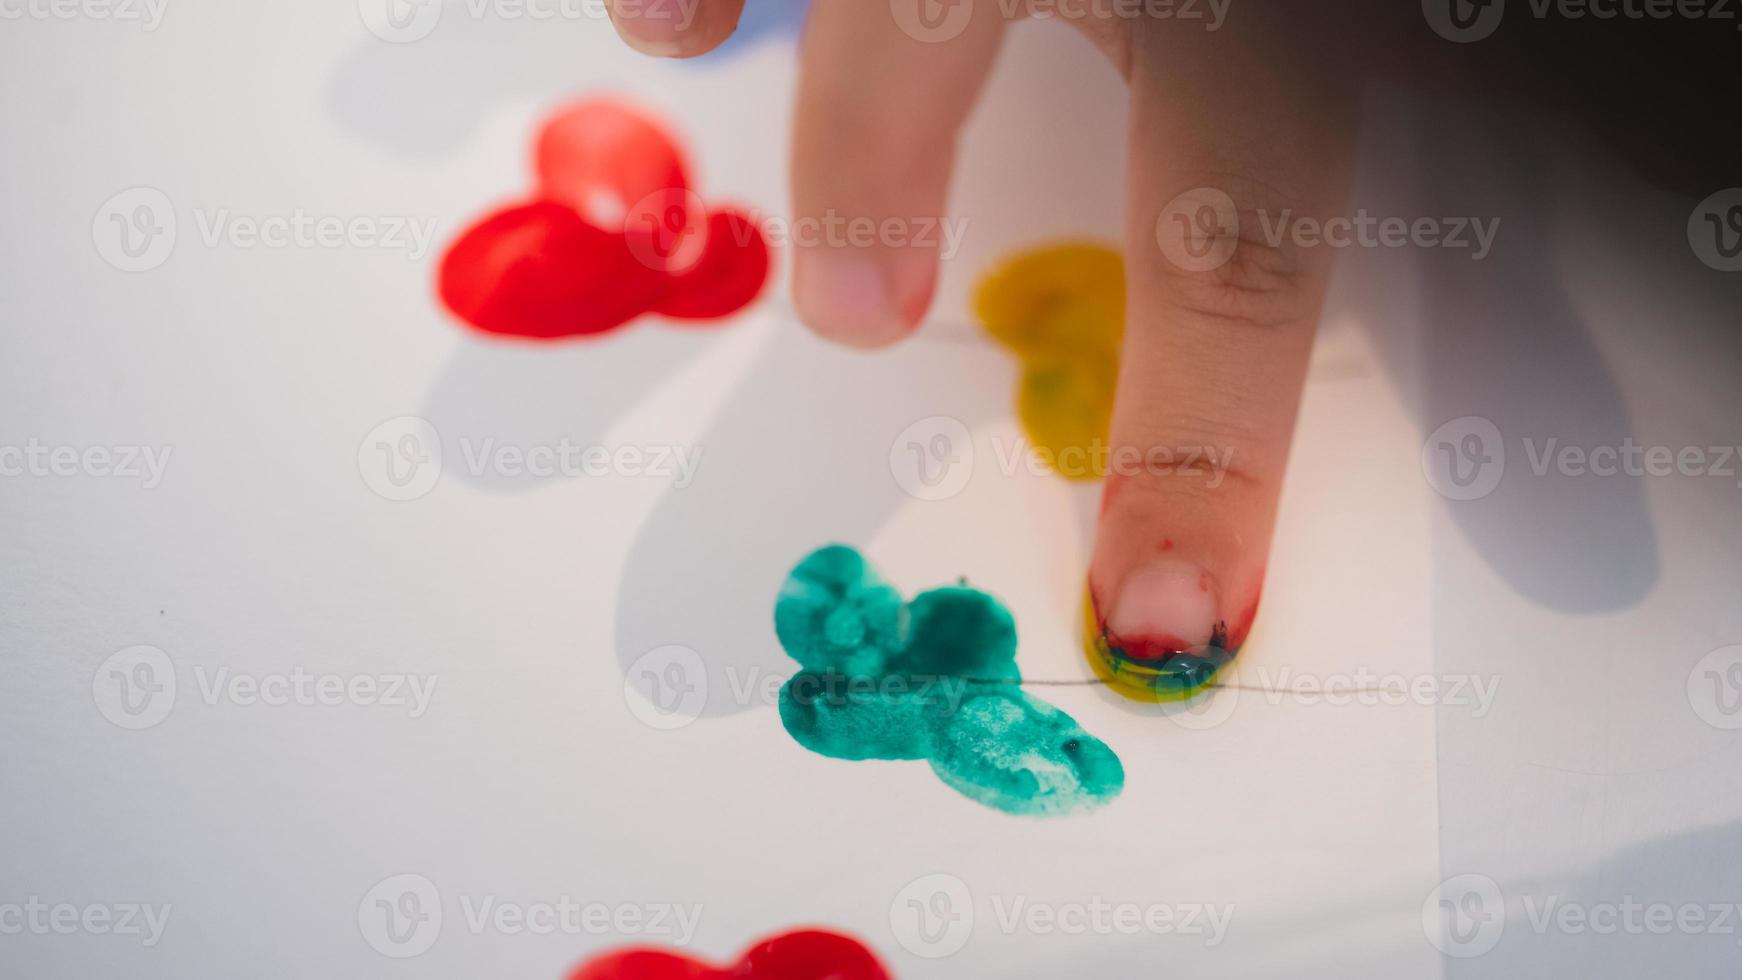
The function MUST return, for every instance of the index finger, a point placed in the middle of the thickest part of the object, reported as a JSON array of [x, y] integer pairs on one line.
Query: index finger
[[675, 28]]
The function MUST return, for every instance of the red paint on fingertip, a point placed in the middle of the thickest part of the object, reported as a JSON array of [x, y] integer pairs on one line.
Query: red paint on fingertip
[[1159, 646]]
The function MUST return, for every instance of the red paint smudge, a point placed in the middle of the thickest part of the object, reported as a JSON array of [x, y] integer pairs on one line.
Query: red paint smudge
[[612, 232], [1158, 646], [802, 955]]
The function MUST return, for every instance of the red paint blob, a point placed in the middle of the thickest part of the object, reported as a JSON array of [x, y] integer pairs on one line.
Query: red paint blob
[[599, 153], [613, 232], [803, 955], [540, 270], [728, 275]]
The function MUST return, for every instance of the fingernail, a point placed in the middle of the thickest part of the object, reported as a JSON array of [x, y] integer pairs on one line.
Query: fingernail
[[661, 37], [849, 299], [1163, 628]]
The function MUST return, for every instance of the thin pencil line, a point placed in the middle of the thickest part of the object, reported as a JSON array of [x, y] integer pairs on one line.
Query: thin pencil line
[[1254, 688]]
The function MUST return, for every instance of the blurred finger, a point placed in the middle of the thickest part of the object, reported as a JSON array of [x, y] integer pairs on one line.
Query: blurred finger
[[884, 90], [675, 28]]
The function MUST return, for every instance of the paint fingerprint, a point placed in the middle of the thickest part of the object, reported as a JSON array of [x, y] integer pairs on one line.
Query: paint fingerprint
[[612, 231], [801, 955], [1061, 310], [933, 679]]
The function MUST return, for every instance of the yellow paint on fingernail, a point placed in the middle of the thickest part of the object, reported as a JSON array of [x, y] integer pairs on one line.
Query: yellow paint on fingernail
[[1130, 680]]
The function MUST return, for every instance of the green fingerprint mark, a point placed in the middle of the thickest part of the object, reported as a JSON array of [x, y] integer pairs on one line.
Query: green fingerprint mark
[[932, 679]]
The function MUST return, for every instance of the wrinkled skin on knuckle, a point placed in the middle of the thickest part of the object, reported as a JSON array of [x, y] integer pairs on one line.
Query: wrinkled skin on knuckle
[[1262, 284]]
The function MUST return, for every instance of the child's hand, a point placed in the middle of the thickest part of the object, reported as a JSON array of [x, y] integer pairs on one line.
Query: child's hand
[[1234, 131]]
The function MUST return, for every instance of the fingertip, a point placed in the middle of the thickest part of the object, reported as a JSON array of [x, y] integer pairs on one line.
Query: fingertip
[[1164, 607], [675, 30], [858, 301]]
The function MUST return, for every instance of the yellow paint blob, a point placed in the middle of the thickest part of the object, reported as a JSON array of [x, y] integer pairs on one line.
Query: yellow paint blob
[[1061, 310]]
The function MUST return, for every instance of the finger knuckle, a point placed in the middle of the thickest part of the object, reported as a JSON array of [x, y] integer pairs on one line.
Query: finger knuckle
[[1261, 284]]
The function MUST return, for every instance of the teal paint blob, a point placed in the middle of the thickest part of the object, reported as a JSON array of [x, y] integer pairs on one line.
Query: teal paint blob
[[933, 679]]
